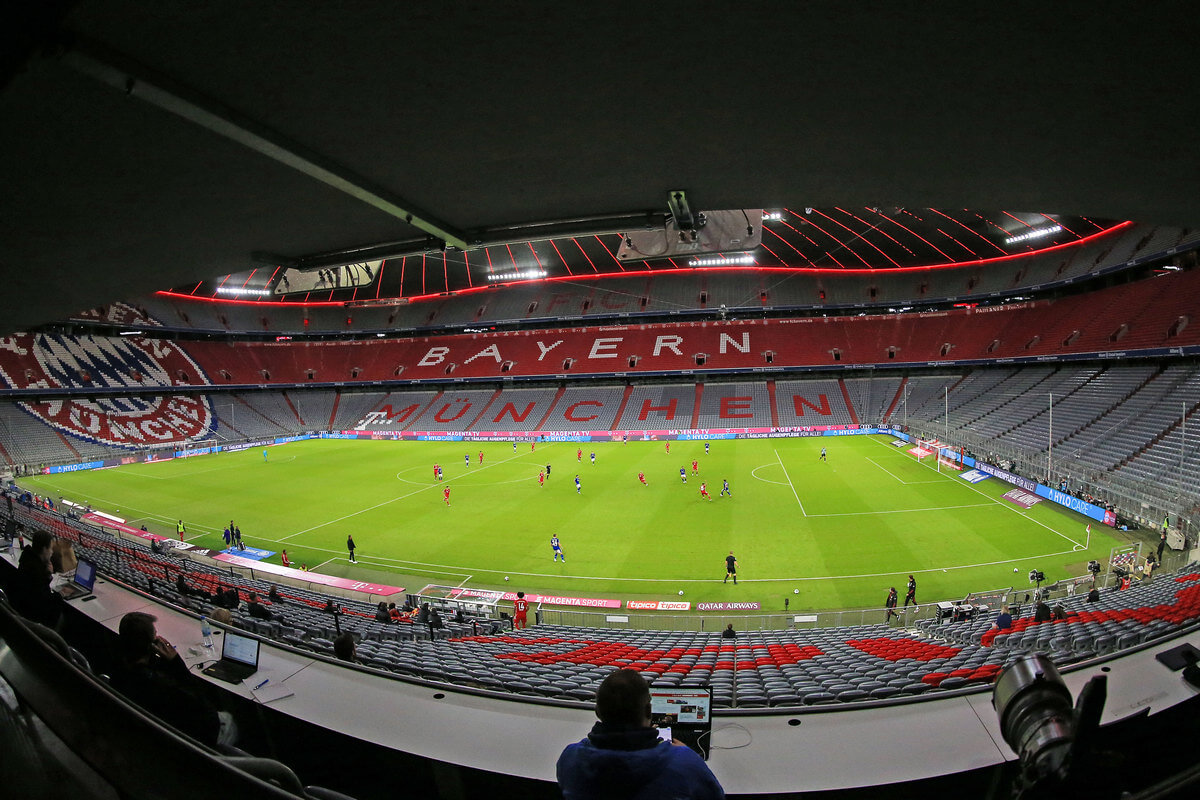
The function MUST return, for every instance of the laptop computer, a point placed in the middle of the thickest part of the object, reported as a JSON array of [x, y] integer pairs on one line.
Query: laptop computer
[[81, 585], [684, 714], [239, 659]]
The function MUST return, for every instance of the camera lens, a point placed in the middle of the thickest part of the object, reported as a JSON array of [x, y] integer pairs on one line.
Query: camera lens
[[1036, 715]]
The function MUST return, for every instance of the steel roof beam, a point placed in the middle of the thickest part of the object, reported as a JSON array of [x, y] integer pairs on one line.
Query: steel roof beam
[[140, 82]]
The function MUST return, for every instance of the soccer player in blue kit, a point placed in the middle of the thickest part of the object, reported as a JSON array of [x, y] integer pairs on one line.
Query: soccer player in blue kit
[[557, 548], [725, 489], [683, 474], [578, 488]]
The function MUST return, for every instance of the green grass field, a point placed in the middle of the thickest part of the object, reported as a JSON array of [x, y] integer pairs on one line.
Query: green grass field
[[841, 532]]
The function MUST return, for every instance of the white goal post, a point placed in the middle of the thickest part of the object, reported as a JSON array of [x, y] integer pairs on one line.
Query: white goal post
[[194, 445], [940, 452]]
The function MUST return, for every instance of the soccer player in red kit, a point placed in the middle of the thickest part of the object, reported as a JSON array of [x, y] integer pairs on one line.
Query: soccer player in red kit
[[481, 458], [704, 491], [446, 495], [642, 478], [520, 607], [695, 467], [668, 448], [541, 478], [579, 455]]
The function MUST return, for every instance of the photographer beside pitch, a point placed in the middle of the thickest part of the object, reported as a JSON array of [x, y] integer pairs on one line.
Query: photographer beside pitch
[[623, 756]]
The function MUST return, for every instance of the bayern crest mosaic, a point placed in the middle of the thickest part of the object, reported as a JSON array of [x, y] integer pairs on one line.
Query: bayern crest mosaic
[[63, 361]]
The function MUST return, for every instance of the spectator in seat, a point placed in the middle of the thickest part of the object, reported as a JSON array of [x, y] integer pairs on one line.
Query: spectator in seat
[[221, 596], [1041, 613], [254, 609], [151, 674], [1094, 595], [394, 613], [729, 632], [29, 587], [381, 613], [273, 594], [623, 757], [222, 616], [226, 598], [182, 587], [435, 621], [1003, 624], [423, 614], [344, 649], [1059, 612]]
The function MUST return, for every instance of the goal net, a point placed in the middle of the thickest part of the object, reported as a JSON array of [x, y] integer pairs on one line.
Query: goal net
[[197, 446], [937, 454]]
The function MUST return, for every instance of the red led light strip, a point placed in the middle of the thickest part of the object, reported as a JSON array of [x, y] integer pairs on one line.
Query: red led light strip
[[784, 269]]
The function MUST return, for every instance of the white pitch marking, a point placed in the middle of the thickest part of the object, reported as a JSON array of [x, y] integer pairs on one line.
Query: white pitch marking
[[894, 475], [394, 499], [756, 476], [898, 511], [149, 515], [1007, 506], [452, 569], [789, 483]]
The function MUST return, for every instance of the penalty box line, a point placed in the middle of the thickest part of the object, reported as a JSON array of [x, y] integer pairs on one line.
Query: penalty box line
[[1078, 546], [395, 499], [897, 477]]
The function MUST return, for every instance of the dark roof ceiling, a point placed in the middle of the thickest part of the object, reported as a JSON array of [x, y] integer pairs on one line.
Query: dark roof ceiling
[[472, 115]]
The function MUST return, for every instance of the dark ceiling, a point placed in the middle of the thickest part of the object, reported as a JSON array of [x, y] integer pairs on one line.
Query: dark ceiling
[[475, 115]]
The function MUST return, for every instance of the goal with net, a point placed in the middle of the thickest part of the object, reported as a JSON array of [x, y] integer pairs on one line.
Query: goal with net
[[942, 455]]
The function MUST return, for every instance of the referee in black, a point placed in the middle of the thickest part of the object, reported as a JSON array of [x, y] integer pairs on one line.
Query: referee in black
[[730, 568]]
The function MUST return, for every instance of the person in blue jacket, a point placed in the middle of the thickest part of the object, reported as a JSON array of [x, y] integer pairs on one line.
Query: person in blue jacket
[[623, 756]]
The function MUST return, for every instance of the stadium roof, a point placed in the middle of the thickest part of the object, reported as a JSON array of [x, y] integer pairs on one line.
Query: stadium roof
[[150, 146]]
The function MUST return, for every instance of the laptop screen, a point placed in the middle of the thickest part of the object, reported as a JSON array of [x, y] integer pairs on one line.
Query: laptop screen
[[85, 574], [241, 649], [683, 714]]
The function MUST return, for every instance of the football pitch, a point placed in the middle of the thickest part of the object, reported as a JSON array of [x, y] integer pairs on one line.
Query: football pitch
[[841, 531]]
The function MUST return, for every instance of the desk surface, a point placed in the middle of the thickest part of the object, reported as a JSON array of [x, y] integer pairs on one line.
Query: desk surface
[[753, 753]]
